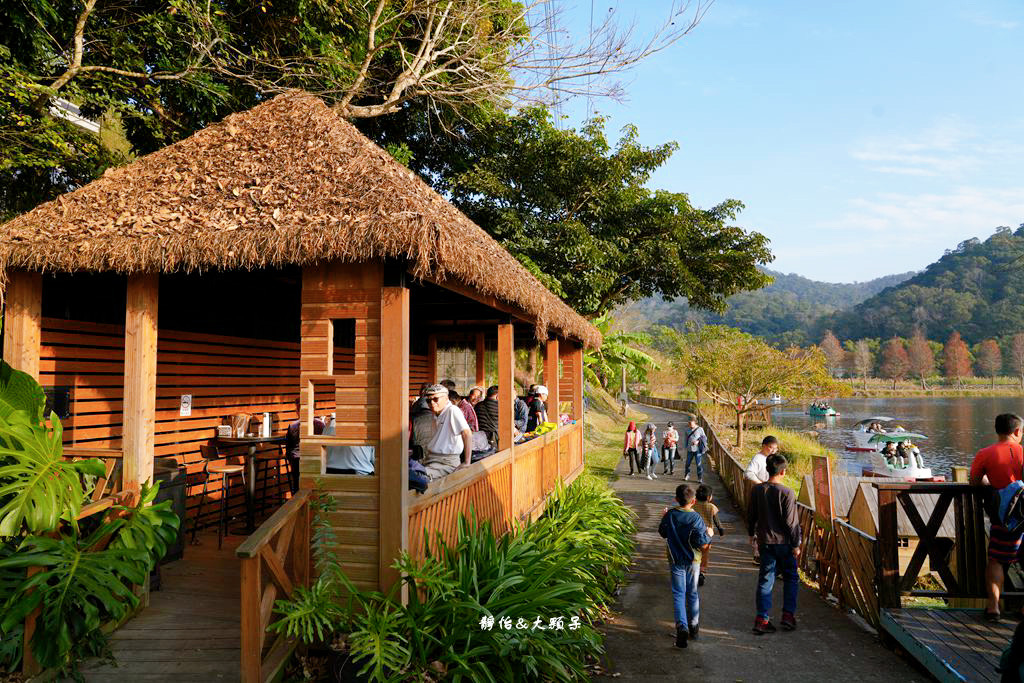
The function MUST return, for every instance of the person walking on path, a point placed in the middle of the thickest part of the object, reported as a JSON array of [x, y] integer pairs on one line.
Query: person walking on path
[[757, 470], [631, 448], [651, 450], [708, 511], [696, 447], [999, 466], [774, 529], [686, 534], [668, 449]]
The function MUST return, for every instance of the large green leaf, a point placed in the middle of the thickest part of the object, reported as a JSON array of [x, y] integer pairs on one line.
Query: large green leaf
[[19, 391], [77, 589], [37, 487]]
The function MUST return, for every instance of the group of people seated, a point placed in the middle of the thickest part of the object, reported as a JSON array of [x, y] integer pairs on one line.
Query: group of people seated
[[447, 431], [902, 454], [820, 405]]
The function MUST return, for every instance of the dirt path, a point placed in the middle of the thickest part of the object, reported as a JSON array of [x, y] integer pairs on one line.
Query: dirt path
[[828, 645]]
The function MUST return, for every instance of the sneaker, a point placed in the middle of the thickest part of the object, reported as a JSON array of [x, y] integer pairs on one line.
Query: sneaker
[[700, 580], [762, 626], [653, 474], [700, 480], [649, 476], [788, 621], [682, 635], [694, 630]]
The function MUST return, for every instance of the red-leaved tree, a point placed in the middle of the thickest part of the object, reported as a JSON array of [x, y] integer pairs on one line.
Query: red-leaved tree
[[922, 360], [990, 360], [956, 360], [895, 361], [833, 350]]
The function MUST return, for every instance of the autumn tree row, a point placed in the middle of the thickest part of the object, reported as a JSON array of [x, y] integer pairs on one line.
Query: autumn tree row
[[918, 358]]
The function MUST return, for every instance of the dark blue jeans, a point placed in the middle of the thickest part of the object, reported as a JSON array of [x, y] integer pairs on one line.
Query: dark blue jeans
[[685, 601], [777, 559], [690, 457]]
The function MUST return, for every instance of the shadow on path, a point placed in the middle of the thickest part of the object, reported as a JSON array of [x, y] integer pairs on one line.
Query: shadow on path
[[828, 646]]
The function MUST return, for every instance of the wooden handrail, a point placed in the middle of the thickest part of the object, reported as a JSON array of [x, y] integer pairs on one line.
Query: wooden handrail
[[252, 545], [275, 560]]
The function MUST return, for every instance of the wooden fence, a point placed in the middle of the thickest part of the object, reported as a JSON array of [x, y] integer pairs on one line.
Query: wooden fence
[[275, 560], [841, 559], [505, 488]]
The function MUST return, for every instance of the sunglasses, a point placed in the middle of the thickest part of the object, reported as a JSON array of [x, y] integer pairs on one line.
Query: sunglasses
[[435, 399]]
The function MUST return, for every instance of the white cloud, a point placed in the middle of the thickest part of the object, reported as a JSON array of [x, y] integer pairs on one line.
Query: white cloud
[[895, 232]]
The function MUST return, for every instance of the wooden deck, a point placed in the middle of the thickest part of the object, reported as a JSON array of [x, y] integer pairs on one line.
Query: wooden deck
[[953, 644], [190, 631]]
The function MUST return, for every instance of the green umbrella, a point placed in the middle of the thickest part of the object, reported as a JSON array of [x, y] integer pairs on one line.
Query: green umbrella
[[896, 437]]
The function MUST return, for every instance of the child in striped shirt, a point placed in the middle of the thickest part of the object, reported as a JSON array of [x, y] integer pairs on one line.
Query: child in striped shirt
[[709, 513]]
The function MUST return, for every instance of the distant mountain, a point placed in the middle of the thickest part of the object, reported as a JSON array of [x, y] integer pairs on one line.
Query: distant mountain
[[785, 312], [976, 289]]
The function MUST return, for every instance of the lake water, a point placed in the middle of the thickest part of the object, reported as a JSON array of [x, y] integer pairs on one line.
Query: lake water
[[956, 427]]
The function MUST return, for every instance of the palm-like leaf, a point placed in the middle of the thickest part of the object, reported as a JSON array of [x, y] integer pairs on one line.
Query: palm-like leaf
[[19, 391], [76, 589], [149, 527], [37, 487]]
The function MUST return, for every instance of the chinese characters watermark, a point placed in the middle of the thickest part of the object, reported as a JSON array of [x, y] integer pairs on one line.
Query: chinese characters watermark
[[505, 623]]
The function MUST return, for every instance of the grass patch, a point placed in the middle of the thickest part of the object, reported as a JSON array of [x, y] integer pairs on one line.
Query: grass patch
[[603, 432], [798, 447]]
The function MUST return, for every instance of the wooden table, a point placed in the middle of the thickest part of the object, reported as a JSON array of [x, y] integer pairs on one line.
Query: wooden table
[[251, 444]]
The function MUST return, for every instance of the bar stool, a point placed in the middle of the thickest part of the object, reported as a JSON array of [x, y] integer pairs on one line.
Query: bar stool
[[225, 470], [273, 459]]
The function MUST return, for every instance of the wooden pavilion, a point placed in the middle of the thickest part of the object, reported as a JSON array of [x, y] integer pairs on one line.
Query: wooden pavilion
[[280, 255]]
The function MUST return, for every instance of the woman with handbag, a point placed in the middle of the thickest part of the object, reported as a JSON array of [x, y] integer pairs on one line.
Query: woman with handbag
[[631, 448]]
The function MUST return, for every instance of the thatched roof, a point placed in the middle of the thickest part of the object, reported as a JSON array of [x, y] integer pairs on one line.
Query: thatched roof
[[288, 182]]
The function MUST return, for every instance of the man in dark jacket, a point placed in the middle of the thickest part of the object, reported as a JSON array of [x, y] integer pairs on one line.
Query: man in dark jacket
[[774, 528], [687, 535], [488, 415]]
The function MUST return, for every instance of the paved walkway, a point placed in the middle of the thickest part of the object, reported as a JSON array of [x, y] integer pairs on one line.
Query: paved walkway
[[828, 646]]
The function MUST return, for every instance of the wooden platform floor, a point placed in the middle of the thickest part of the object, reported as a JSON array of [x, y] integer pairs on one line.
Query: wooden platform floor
[[190, 631], [953, 644]]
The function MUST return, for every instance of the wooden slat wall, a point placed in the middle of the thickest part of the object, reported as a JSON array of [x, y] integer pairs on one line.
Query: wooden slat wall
[[508, 486], [331, 292], [225, 375], [419, 374]]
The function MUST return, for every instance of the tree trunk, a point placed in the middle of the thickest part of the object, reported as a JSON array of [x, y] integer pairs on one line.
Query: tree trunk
[[531, 366], [894, 384], [993, 385], [739, 430], [924, 383]]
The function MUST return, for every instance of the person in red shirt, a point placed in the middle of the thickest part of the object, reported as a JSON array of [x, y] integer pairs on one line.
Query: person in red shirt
[[999, 465]]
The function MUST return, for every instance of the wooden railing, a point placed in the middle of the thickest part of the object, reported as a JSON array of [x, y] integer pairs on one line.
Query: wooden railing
[[505, 488], [959, 562], [275, 559]]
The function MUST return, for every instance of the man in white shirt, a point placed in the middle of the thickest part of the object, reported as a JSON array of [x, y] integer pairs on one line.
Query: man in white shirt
[[757, 470], [452, 444]]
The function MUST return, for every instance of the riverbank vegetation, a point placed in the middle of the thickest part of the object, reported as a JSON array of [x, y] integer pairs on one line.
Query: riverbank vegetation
[[798, 447]]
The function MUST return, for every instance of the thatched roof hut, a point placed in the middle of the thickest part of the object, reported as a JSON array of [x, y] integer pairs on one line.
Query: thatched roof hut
[[286, 183]]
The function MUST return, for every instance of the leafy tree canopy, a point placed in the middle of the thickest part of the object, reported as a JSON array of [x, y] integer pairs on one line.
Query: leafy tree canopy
[[576, 210]]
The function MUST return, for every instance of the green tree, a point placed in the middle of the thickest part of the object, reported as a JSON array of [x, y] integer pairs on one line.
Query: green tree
[[618, 350], [738, 370], [577, 211]]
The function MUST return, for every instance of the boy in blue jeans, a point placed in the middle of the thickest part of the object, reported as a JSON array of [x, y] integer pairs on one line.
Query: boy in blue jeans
[[774, 528], [686, 534]]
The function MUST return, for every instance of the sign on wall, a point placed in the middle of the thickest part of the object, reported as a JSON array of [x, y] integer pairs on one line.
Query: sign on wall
[[186, 405], [821, 476]]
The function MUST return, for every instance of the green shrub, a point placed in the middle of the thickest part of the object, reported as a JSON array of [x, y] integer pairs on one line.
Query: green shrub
[[566, 565]]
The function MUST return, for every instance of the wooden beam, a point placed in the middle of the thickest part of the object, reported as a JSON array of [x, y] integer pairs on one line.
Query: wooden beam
[[481, 358], [576, 356], [23, 321], [551, 378], [506, 385], [140, 336], [432, 358], [392, 460]]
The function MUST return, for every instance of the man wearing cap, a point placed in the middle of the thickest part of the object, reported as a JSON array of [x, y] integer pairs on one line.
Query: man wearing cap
[[452, 444]]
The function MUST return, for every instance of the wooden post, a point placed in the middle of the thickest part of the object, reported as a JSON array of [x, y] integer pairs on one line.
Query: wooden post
[[251, 627], [481, 360], [551, 378], [392, 459], [506, 384], [888, 552], [23, 321], [432, 358], [960, 474], [577, 383], [140, 337]]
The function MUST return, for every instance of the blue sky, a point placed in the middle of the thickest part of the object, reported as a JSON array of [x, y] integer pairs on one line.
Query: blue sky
[[864, 138]]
